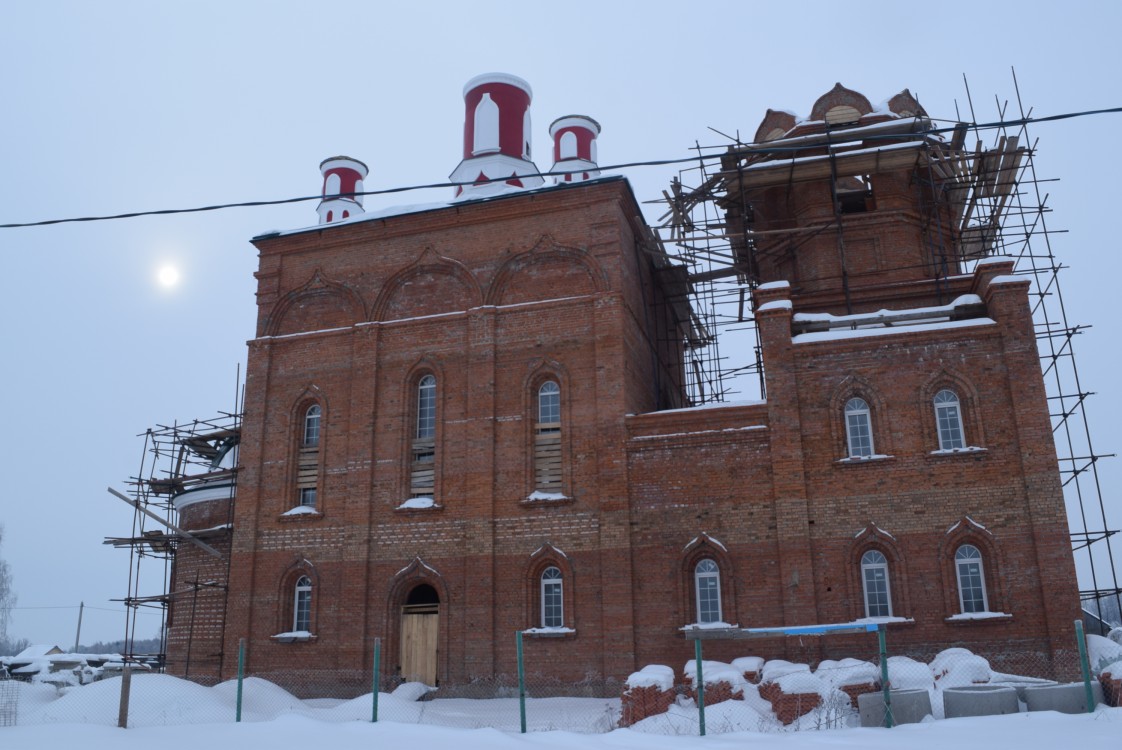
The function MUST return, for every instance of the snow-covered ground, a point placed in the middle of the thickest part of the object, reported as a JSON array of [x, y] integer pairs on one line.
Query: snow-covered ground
[[179, 714], [1027, 731]]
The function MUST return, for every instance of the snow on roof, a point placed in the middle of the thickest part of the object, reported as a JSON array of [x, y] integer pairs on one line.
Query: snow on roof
[[464, 199], [933, 311], [711, 405], [38, 650], [817, 336]]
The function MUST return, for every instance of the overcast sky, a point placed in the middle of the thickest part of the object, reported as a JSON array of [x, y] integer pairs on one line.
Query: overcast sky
[[111, 107]]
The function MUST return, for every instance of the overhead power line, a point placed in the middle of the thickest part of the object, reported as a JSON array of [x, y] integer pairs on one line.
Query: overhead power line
[[613, 167]]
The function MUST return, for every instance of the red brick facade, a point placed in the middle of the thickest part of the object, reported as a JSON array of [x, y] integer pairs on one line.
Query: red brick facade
[[495, 297]]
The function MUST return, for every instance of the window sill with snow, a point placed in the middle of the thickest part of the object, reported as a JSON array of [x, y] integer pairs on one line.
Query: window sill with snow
[[862, 460], [294, 636], [422, 504], [550, 632], [978, 618], [539, 499], [301, 513]]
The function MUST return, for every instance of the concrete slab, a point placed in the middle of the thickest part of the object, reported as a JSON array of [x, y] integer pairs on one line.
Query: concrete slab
[[979, 700], [908, 707], [1069, 698]]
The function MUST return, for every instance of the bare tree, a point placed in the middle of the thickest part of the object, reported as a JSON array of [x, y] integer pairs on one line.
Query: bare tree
[[7, 599]]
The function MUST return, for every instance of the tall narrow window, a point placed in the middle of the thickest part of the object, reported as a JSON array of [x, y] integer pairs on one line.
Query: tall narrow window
[[307, 463], [971, 579], [302, 605], [948, 420], [858, 428], [553, 599], [423, 475], [311, 426], [874, 580], [547, 439], [707, 587]]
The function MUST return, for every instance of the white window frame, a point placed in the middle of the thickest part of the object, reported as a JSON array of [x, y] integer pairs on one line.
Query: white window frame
[[552, 597], [312, 421], [858, 415], [549, 405], [966, 556], [948, 420], [707, 580], [426, 408], [302, 605], [872, 562]]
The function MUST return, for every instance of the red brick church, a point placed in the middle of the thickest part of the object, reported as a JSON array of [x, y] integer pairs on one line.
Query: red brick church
[[470, 419]]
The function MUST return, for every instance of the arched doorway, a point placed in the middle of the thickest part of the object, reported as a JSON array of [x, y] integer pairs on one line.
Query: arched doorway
[[420, 626]]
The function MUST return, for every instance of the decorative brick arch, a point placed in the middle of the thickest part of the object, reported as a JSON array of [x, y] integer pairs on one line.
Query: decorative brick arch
[[416, 573], [872, 537], [837, 99], [776, 124], [538, 372], [441, 285], [318, 304], [855, 386], [906, 105], [703, 547], [311, 395], [969, 403], [299, 567], [544, 557], [969, 531], [573, 270]]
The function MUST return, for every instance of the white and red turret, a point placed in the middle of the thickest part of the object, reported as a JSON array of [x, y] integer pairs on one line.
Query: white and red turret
[[496, 136], [574, 148], [342, 176]]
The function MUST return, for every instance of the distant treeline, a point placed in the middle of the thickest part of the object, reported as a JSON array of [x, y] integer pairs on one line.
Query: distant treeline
[[139, 646]]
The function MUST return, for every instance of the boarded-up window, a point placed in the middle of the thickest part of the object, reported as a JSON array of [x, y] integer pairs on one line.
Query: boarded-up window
[[547, 439], [423, 468], [307, 461]]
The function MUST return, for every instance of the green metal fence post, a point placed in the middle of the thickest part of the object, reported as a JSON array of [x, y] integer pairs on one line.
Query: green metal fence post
[[377, 677], [889, 721], [521, 682], [241, 676], [1081, 642], [700, 686]]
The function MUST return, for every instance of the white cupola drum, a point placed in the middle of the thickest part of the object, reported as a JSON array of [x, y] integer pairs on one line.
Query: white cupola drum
[[574, 148], [342, 181], [496, 136]]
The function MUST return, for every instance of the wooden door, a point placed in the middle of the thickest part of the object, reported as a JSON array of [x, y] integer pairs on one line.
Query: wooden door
[[420, 625]]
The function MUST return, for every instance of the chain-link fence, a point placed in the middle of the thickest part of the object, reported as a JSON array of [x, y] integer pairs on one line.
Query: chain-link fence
[[877, 685]]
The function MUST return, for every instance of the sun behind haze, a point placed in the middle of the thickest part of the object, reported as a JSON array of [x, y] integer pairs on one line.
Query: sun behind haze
[[168, 276]]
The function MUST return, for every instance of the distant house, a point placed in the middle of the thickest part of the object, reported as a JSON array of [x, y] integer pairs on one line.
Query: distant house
[[47, 663]]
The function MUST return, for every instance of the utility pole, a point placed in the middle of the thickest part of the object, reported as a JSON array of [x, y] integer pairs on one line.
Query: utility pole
[[78, 635]]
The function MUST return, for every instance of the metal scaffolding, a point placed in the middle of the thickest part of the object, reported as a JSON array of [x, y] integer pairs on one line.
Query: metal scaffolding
[[175, 459], [980, 196]]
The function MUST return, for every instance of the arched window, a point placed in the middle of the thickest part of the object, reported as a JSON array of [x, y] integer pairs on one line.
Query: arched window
[[874, 584], [302, 605], [547, 439], [707, 589], [307, 462], [423, 473], [858, 428], [971, 579], [552, 598], [311, 426], [485, 126], [426, 407], [948, 420], [549, 407]]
